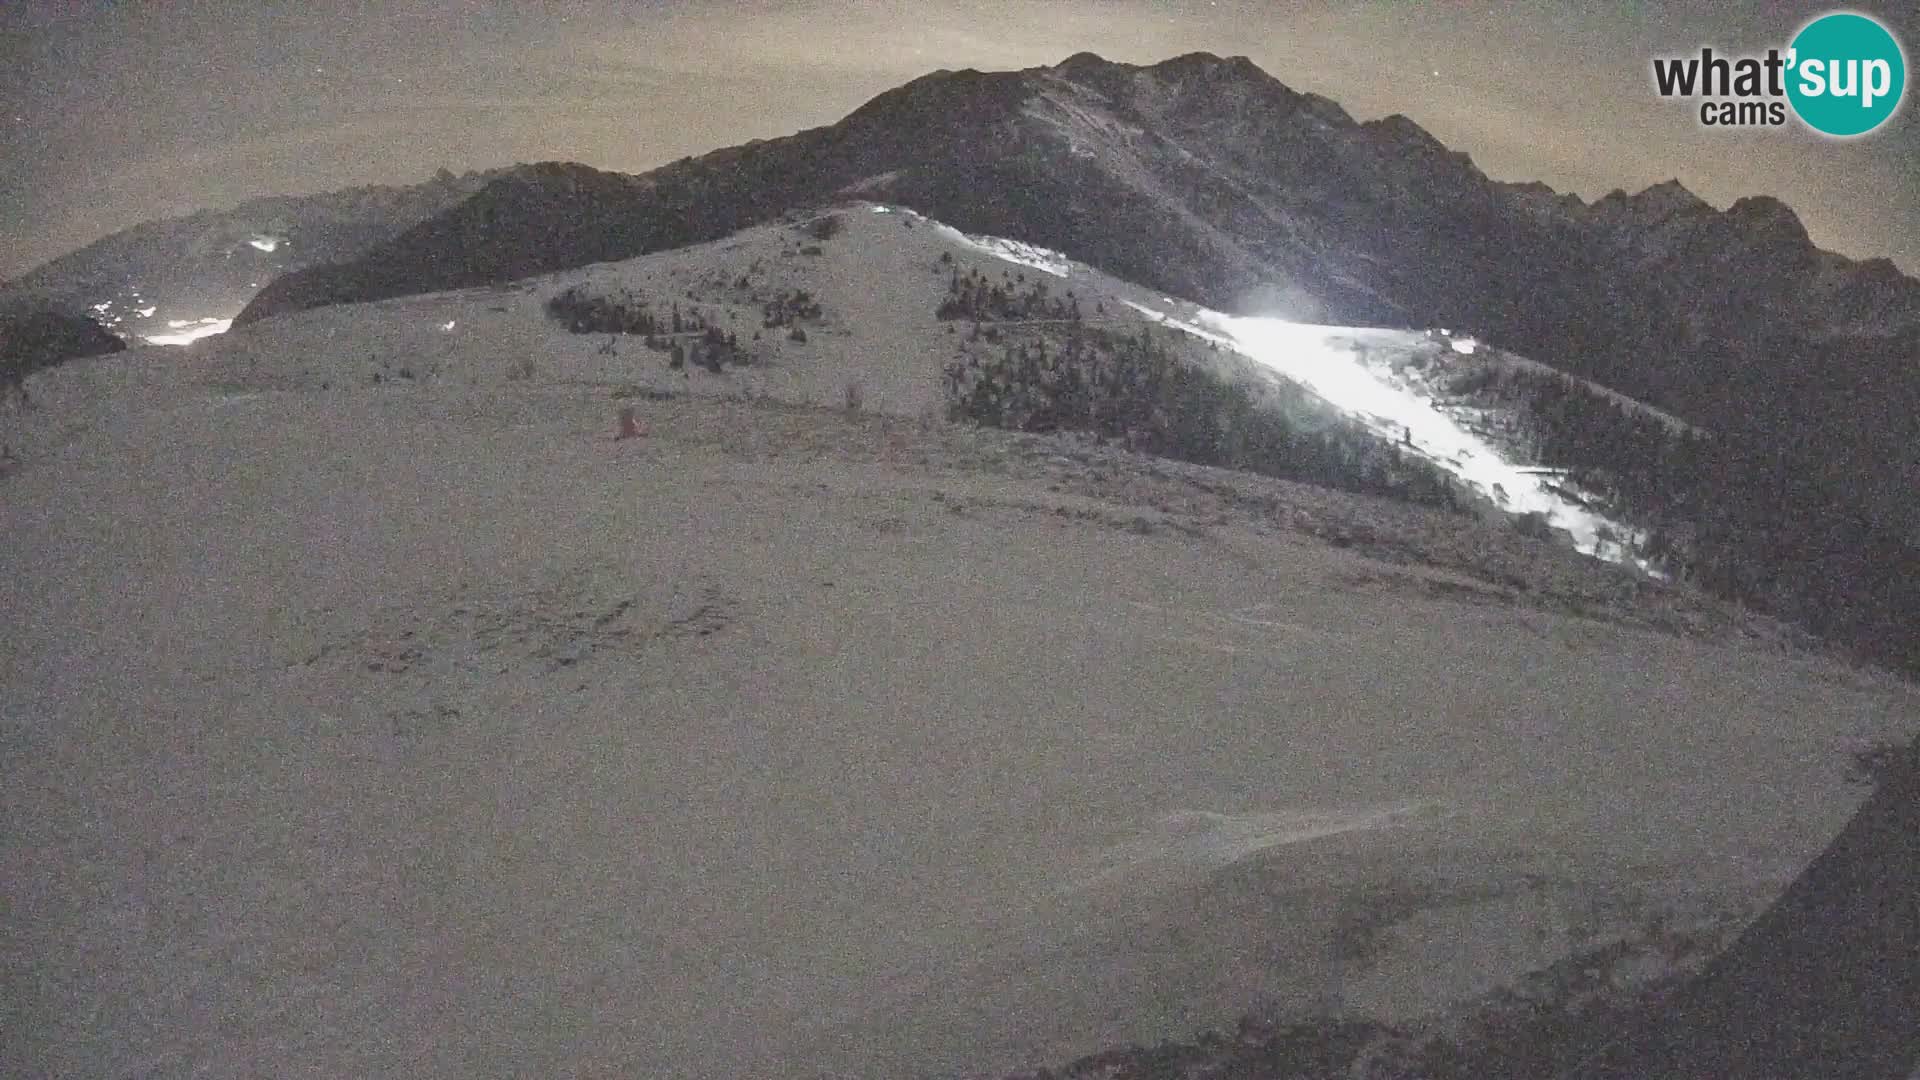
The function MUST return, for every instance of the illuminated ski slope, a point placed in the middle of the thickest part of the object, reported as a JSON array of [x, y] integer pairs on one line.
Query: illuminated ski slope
[[1328, 361], [1334, 362], [188, 331]]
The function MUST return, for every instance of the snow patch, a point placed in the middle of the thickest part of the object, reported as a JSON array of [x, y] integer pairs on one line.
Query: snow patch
[[1014, 251]]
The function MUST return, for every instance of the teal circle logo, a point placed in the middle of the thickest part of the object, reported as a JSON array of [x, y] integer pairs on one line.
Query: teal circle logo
[[1846, 74]]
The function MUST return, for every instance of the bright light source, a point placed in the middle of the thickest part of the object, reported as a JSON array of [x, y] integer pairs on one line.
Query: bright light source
[[198, 330], [1332, 361]]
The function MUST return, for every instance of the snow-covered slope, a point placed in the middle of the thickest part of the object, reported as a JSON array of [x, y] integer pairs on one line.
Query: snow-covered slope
[[878, 282], [409, 726]]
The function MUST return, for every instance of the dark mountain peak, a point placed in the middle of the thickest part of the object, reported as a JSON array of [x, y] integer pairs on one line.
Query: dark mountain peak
[[1184, 66], [1765, 212], [1185, 62], [1084, 62], [1667, 198], [571, 174], [1199, 175], [1400, 128], [1765, 222], [1651, 207], [1193, 87], [1327, 111], [942, 99], [1543, 199], [1881, 270], [1092, 71], [1209, 68], [1405, 141]]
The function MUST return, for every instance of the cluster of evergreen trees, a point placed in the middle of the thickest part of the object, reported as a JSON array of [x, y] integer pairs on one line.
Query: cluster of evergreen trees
[[790, 306], [1012, 299], [1137, 391], [584, 314], [685, 338], [1743, 517]]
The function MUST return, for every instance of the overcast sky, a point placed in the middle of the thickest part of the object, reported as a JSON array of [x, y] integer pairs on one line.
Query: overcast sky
[[114, 113]]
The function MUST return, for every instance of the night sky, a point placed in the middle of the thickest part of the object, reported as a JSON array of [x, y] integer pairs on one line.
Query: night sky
[[114, 113]]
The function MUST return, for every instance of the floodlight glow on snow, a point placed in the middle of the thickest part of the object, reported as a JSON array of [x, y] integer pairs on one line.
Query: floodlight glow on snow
[[194, 331], [1326, 360]]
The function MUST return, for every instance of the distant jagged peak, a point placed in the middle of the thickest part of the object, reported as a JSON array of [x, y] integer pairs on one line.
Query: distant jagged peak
[[1202, 68], [1651, 206], [1764, 212], [1193, 84], [942, 98], [1208, 69], [1401, 129], [1542, 197], [1667, 198], [1328, 110], [1880, 269], [1409, 142], [1202, 60], [1536, 188], [1198, 62], [1083, 62]]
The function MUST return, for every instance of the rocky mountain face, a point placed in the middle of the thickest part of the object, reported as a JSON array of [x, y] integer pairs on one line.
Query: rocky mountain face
[[1207, 178], [208, 264]]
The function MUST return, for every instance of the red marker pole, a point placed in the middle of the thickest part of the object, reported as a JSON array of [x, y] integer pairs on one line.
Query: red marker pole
[[629, 427]]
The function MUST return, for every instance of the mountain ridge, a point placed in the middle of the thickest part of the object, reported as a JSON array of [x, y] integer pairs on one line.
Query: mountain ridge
[[1207, 178], [977, 109], [208, 263], [1211, 180]]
